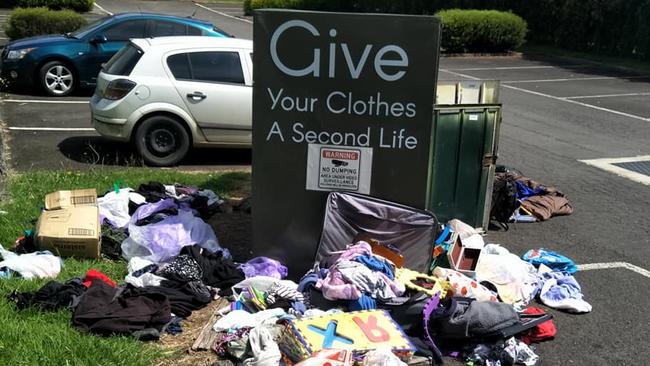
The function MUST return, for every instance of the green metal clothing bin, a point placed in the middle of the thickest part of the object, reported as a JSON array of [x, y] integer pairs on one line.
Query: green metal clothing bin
[[464, 143]]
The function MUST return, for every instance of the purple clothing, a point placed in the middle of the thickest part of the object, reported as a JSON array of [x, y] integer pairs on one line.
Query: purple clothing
[[149, 209], [263, 266], [334, 287]]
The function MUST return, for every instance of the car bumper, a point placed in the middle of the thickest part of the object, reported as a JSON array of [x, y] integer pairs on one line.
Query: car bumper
[[111, 128], [14, 72]]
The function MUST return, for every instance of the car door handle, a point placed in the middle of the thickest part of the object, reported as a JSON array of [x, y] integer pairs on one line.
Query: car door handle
[[196, 96]]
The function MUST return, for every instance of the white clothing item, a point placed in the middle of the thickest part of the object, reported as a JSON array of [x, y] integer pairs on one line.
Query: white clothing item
[[573, 304], [382, 357], [519, 352], [515, 279], [469, 237], [146, 279], [265, 351], [239, 319], [312, 313], [137, 263], [31, 265]]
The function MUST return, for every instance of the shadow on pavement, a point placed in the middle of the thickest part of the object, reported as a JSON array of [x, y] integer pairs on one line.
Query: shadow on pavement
[[97, 150], [587, 67]]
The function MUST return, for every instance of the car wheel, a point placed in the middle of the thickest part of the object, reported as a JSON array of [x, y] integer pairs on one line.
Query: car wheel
[[57, 78], [162, 141]]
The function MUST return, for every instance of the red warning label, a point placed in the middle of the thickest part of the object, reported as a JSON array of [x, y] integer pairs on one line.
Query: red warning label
[[334, 154]]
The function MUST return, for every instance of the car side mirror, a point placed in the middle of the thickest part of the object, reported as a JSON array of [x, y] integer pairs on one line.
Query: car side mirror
[[100, 38]]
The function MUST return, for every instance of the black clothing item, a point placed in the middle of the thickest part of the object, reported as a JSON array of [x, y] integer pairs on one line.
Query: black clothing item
[[153, 191], [52, 296], [105, 310], [217, 270], [409, 314], [184, 297], [112, 239], [184, 266]]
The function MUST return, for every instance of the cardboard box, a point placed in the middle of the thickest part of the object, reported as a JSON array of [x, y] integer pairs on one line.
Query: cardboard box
[[72, 231], [463, 259], [64, 199]]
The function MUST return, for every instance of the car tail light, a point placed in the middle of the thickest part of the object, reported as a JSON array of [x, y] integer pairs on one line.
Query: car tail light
[[118, 89]]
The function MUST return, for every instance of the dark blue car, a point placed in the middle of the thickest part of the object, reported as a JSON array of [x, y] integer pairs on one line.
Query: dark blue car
[[61, 63]]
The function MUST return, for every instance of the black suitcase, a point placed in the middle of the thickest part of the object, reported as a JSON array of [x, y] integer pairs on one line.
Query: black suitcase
[[411, 230]]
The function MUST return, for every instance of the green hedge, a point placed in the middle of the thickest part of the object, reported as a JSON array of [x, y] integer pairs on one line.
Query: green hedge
[[614, 27], [481, 31], [76, 5], [30, 22]]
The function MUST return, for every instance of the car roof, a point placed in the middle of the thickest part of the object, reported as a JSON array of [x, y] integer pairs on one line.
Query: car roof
[[159, 16], [175, 42]]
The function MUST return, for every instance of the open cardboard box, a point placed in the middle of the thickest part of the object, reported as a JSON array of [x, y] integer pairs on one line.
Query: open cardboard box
[[463, 259]]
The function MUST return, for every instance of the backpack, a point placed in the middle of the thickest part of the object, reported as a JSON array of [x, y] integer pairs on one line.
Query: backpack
[[504, 198]]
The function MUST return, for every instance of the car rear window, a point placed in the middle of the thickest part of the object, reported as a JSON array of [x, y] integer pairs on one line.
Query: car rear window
[[212, 66], [123, 62]]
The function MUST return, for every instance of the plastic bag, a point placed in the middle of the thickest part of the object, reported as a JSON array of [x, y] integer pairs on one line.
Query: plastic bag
[[163, 240], [263, 266], [553, 260]]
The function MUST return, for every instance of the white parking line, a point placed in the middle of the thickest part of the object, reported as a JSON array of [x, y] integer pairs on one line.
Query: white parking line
[[608, 95], [102, 9], [51, 129], [563, 99], [579, 103], [610, 265], [224, 14], [511, 68], [46, 101], [574, 79], [607, 165]]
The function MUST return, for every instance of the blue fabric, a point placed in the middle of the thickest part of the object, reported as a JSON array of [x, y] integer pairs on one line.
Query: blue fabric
[[299, 307], [307, 280], [524, 191], [365, 302], [553, 260], [567, 286], [376, 265]]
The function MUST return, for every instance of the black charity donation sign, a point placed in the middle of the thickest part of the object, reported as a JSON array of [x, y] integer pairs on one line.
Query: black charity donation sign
[[341, 102]]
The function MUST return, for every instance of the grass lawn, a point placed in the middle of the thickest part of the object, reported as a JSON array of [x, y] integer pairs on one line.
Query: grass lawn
[[33, 338]]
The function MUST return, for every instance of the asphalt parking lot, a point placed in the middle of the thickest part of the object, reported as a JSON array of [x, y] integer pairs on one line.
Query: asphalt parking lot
[[566, 123]]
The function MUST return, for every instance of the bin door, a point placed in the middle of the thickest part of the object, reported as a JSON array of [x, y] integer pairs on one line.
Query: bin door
[[464, 153]]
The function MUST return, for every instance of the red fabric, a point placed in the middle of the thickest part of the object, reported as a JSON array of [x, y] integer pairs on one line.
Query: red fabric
[[542, 332], [94, 274]]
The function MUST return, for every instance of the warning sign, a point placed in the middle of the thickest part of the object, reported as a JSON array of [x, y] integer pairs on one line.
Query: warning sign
[[336, 168]]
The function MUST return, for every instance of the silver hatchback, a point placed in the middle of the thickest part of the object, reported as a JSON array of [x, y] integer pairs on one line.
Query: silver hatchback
[[168, 94]]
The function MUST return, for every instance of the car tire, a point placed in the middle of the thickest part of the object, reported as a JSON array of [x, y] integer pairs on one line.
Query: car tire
[[57, 78], [162, 141]]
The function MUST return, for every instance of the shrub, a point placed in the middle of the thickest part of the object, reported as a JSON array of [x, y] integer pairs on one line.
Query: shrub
[[76, 5], [30, 22], [8, 3], [481, 31], [248, 7]]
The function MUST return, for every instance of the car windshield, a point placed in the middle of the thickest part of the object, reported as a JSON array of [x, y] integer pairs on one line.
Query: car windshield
[[83, 31]]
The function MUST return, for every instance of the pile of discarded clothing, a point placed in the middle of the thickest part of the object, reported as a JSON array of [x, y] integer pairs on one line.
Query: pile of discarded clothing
[[175, 262], [356, 305], [435, 291], [516, 198]]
